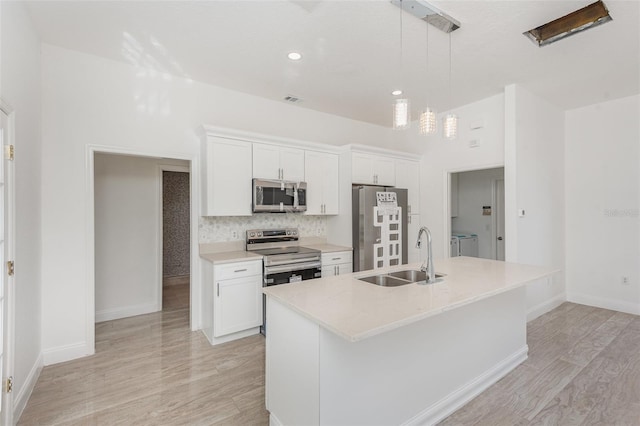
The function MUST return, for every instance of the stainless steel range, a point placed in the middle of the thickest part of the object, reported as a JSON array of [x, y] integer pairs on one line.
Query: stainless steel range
[[284, 260]]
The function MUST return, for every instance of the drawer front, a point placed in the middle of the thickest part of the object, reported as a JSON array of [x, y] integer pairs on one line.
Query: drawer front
[[336, 258], [237, 270]]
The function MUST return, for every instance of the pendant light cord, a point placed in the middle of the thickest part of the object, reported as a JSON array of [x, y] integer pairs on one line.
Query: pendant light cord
[[450, 98]]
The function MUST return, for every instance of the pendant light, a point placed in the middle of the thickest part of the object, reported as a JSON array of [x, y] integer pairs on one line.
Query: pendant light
[[401, 110], [428, 122], [450, 121]]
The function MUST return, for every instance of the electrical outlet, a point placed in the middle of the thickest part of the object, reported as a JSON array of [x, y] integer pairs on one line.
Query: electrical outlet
[[234, 235], [318, 232], [625, 280]]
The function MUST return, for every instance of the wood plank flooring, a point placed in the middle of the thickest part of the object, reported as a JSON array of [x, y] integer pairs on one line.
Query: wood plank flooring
[[583, 369]]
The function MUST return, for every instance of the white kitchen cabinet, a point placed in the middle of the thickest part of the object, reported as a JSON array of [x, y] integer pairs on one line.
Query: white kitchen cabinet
[[227, 177], [321, 175], [408, 176], [413, 227], [278, 162], [337, 263], [370, 169], [237, 297]]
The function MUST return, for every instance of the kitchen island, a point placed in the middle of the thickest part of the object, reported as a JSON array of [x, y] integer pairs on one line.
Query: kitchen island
[[343, 351]]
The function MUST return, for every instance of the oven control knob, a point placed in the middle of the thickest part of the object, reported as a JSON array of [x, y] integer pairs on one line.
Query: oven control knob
[[295, 232], [288, 232], [253, 234], [259, 234]]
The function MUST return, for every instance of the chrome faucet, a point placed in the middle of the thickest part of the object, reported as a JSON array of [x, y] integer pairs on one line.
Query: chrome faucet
[[427, 265]]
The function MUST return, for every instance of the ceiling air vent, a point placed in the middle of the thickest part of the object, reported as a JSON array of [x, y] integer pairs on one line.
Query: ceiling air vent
[[292, 99], [573, 23]]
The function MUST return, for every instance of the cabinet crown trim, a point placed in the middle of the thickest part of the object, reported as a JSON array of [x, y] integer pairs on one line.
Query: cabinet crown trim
[[241, 135]]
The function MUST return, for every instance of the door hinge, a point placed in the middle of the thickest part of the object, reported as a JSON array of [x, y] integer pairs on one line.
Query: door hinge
[[9, 152], [10, 268], [9, 385]]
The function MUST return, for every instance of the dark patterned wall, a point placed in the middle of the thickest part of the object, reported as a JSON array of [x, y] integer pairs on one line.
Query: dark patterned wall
[[175, 224]]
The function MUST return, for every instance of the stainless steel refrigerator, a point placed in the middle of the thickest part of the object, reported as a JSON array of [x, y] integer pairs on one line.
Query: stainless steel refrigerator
[[373, 247]]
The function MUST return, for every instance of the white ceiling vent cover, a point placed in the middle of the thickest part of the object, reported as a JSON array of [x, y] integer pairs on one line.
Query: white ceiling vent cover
[[292, 99]]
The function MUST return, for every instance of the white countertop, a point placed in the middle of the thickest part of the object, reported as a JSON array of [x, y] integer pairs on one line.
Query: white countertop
[[327, 248], [230, 256], [355, 309]]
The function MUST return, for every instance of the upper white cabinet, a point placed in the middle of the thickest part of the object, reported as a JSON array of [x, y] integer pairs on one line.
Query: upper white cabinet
[[408, 176], [371, 169], [321, 175], [278, 162], [227, 177]]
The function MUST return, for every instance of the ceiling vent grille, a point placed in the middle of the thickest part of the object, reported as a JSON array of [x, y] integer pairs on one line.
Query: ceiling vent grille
[[292, 99], [588, 17]]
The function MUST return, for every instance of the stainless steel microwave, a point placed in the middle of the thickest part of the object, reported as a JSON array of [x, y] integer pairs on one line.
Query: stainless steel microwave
[[278, 196]]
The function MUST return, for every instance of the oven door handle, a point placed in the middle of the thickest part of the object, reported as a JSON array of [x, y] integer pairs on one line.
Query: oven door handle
[[270, 263], [291, 267]]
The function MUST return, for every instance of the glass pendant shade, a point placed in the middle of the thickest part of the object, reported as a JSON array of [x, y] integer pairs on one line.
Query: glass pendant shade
[[428, 122], [401, 117], [450, 126]]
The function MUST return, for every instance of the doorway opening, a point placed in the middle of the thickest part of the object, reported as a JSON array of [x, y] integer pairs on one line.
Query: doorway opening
[[477, 213], [129, 242], [176, 250]]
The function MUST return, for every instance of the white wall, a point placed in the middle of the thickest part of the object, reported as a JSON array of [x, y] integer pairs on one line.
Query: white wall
[[475, 190], [93, 101], [442, 157], [20, 87], [127, 239], [603, 204], [534, 181]]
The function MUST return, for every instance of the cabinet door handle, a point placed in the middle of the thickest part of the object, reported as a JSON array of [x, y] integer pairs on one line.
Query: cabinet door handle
[[409, 208], [240, 270], [336, 270], [409, 219], [335, 258], [218, 284]]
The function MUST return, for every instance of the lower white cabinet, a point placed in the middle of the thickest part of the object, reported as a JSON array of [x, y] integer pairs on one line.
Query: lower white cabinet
[[237, 297], [337, 263]]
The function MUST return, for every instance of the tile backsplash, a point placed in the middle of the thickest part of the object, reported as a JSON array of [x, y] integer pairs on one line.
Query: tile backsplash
[[219, 229]]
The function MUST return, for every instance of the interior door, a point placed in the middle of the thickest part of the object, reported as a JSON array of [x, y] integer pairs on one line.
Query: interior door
[[6, 271], [500, 241]]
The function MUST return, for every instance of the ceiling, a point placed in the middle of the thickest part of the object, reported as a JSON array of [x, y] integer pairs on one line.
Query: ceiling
[[351, 49]]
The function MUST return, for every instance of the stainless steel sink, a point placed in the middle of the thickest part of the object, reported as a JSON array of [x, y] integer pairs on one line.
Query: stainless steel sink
[[398, 278], [412, 275], [385, 281]]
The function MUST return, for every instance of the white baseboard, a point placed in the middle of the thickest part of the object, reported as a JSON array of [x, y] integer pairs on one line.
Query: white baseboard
[[273, 421], [22, 397], [234, 336], [455, 400], [546, 306], [127, 311], [600, 302], [66, 353]]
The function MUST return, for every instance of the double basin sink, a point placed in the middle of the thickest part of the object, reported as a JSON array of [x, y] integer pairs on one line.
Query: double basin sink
[[398, 278]]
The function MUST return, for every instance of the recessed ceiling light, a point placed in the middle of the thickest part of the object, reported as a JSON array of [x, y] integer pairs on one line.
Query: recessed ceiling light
[[294, 56], [396, 92]]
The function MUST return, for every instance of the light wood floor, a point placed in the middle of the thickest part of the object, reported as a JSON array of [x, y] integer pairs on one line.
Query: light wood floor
[[175, 292], [583, 369]]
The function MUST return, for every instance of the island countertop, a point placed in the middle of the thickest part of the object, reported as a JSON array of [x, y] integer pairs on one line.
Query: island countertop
[[355, 309]]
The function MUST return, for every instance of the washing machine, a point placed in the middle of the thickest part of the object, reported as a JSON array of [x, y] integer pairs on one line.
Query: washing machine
[[455, 248], [467, 244]]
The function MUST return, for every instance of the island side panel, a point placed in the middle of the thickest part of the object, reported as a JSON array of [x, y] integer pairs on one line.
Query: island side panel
[[420, 373], [292, 367]]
